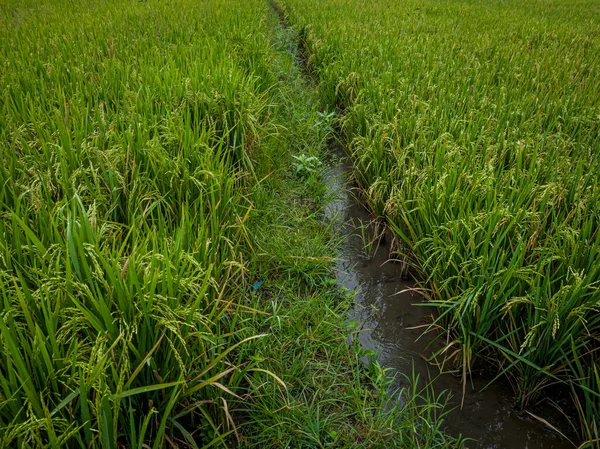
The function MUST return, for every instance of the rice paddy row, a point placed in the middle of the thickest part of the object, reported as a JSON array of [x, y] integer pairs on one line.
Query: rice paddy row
[[474, 131], [126, 130]]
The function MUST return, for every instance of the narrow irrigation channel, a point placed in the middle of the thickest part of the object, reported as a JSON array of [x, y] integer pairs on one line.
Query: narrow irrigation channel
[[388, 319], [392, 324]]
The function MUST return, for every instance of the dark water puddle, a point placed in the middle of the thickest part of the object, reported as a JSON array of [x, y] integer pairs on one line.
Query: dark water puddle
[[387, 318]]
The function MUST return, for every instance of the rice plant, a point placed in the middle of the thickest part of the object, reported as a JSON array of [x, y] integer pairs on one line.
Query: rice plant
[[474, 130], [127, 131]]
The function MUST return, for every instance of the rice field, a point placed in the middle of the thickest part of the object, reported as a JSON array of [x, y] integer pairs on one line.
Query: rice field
[[474, 131], [165, 276], [126, 130]]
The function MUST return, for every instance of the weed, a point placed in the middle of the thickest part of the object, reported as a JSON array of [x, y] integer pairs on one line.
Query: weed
[[305, 165]]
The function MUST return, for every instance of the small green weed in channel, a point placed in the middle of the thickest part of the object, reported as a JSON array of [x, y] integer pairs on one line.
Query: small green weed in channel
[[305, 165], [324, 125]]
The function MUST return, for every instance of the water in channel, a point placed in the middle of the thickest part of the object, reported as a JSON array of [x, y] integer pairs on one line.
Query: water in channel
[[387, 318]]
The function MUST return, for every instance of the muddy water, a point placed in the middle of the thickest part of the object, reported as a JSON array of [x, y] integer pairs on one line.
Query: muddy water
[[387, 318]]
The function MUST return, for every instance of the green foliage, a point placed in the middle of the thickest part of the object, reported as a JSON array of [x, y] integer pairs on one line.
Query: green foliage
[[474, 130], [305, 165], [128, 131], [139, 139]]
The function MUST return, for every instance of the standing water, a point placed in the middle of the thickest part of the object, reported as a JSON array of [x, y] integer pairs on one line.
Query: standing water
[[389, 318]]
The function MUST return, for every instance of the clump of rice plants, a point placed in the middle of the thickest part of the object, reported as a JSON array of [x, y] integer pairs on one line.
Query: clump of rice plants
[[127, 132], [474, 130]]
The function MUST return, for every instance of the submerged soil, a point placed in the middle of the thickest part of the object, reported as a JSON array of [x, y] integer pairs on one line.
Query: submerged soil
[[389, 318]]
